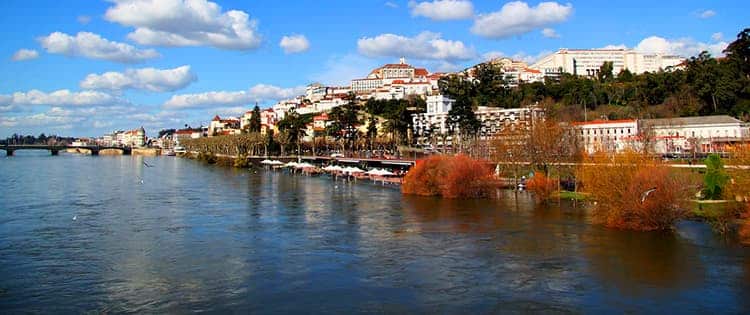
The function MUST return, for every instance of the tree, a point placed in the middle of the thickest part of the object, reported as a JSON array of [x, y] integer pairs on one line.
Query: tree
[[255, 124], [606, 71], [294, 127], [462, 117], [715, 178]]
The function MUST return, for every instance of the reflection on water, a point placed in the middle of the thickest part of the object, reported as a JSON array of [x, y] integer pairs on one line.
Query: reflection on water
[[198, 238]]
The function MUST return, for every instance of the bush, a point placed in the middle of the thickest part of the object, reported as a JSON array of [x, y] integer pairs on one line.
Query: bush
[[450, 177], [715, 179], [542, 186], [207, 157], [619, 185], [241, 161]]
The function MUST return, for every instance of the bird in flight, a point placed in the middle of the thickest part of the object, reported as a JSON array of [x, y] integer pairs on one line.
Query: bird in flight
[[647, 193]]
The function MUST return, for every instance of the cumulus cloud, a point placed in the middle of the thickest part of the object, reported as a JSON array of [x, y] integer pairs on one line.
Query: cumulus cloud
[[522, 56], [257, 93], [717, 37], [391, 5], [60, 98], [705, 14], [90, 45], [339, 70], [685, 47], [25, 54], [443, 10], [426, 45], [149, 79], [185, 23], [293, 44], [550, 33], [516, 18]]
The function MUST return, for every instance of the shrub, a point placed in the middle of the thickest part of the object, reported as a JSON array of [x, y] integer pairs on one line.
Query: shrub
[[542, 186], [715, 179], [619, 185], [450, 177], [241, 161]]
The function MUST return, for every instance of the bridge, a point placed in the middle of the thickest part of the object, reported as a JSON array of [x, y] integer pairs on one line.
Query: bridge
[[55, 149]]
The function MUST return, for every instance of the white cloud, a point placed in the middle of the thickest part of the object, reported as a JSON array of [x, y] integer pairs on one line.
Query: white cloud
[[25, 54], [61, 98], [149, 79], [391, 5], [339, 70], [93, 46], [717, 37], [426, 45], [47, 119], [685, 47], [293, 44], [257, 93], [443, 10], [705, 14], [611, 47], [185, 23], [83, 19], [516, 18], [550, 33], [522, 56]]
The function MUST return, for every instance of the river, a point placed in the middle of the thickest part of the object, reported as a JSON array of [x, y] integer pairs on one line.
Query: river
[[109, 234]]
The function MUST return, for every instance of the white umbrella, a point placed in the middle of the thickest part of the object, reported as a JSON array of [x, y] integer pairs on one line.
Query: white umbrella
[[266, 161], [385, 172], [276, 162], [304, 165], [351, 170], [333, 168], [373, 171], [291, 164]]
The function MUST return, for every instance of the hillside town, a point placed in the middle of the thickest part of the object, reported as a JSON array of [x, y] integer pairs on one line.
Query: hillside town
[[430, 126]]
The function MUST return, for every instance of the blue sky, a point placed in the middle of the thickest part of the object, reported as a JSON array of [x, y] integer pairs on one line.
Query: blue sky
[[85, 67]]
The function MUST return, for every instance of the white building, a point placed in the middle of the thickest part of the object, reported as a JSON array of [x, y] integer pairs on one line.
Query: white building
[[387, 74], [220, 127], [588, 61], [702, 134], [493, 120], [608, 135]]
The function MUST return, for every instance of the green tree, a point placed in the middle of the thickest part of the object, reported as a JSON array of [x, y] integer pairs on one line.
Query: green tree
[[255, 125], [606, 71], [715, 178], [294, 127]]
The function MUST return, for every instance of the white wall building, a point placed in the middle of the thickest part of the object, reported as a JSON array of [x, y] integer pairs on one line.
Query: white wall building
[[588, 61], [607, 135], [493, 120], [702, 134], [387, 74]]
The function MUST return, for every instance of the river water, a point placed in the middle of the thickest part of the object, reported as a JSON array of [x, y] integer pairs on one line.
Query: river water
[[109, 234]]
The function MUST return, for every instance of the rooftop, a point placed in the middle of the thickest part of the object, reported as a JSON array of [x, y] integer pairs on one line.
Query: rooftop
[[698, 120]]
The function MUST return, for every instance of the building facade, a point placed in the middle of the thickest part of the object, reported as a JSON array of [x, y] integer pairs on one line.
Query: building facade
[[435, 121], [588, 61], [702, 134], [607, 135]]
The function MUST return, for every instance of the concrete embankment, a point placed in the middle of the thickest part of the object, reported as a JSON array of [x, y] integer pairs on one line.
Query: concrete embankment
[[146, 152]]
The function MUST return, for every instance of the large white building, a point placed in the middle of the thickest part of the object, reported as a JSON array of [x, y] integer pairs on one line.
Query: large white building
[[607, 135], [702, 134], [385, 76], [493, 119], [588, 61]]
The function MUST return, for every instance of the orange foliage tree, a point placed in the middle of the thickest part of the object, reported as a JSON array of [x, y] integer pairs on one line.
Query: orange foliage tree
[[542, 186], [739, 186], [623, 187], [451, 177]]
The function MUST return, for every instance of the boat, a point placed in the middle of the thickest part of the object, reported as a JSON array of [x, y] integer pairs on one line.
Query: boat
[[170, 153], [180, 149]]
